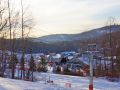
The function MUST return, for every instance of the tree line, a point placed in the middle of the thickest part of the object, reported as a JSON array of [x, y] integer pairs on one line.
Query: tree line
[[14, 23]]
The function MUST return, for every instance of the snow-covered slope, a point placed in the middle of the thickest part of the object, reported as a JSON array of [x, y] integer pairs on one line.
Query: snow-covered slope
[[9, 84], [59, 83]]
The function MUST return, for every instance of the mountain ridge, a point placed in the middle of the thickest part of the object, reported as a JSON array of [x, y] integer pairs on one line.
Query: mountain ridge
[[94, 33]]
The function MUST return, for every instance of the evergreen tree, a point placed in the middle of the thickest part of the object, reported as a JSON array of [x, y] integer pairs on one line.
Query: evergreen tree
[[16, 59], [32, 66], [63, 60], [10, 64], [42, 64], [14, 62], [22, 62]]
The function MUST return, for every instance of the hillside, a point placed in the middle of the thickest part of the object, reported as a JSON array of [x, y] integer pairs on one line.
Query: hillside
[[63, 42], [95, 33]]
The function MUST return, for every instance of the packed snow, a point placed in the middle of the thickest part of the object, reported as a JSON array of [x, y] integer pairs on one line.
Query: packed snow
[[59, 82]]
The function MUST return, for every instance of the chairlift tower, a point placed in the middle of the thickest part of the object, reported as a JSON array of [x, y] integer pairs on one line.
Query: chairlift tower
[[91, 48]]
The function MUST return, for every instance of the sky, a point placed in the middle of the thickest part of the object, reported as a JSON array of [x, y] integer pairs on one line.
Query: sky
[[70, 16]]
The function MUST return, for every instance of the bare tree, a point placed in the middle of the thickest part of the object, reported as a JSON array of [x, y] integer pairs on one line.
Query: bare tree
[[26, 23], [10, 23]]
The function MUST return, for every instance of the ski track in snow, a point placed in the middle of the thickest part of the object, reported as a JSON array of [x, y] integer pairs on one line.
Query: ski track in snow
[[59, 81]]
